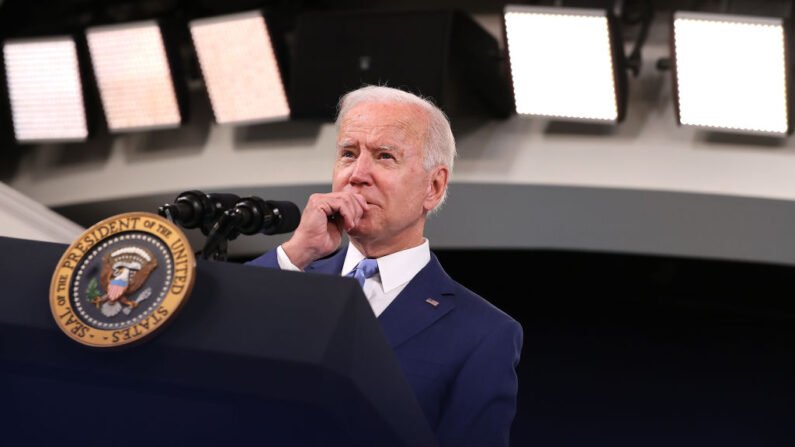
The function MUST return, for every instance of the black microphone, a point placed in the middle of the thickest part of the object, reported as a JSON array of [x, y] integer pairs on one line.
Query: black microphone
[[193, 209], [249, 216], [253, 215]]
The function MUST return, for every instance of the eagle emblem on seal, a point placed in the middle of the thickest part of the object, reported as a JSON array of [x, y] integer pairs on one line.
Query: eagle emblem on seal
[[124, 271]]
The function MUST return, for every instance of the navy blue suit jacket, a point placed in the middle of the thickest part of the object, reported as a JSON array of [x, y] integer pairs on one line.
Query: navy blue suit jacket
[[459, 357]]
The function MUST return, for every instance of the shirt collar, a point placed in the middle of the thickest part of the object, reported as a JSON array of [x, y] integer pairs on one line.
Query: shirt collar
[[395, 269]]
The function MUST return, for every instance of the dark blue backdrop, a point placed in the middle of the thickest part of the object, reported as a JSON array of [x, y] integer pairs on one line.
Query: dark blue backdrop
[[626, 350]]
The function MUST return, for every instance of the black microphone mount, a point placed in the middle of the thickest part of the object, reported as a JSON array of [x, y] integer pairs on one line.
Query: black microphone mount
[[195, 209], [223, 217]]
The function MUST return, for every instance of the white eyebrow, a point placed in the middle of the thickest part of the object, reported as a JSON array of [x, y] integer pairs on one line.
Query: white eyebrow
[[349, 144]]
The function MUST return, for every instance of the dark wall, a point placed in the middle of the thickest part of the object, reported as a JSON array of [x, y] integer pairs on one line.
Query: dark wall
[[626, 350]]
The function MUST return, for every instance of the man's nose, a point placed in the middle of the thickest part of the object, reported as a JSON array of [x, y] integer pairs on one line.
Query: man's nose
[[362, 173]]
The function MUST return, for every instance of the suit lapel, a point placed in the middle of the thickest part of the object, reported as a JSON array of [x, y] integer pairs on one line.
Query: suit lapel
[[411, 311]]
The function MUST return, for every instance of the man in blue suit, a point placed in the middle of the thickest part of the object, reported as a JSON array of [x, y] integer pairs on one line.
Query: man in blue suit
[[395, 153]]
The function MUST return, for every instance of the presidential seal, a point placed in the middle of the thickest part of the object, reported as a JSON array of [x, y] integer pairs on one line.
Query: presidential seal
[[122, 280]]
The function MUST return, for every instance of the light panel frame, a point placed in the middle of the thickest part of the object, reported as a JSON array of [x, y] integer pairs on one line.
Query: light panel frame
[[783, 77], [69, 94], [617, 77], [249, 76], [128, 100]]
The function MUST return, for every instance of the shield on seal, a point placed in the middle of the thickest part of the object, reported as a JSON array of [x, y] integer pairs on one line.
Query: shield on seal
[[116, 288]]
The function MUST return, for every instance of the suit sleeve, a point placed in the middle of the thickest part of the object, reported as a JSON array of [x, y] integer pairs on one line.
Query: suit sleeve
[[269, 260], [481, 403], [275, 259]]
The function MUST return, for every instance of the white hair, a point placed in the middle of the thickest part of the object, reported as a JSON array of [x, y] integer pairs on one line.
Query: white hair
[[440, 144]]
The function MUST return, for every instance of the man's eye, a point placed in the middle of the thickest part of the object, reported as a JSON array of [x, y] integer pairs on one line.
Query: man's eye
[[385, 156], [348, 154]]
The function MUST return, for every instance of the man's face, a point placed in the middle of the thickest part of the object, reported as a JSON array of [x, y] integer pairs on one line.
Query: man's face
[[380, 155]]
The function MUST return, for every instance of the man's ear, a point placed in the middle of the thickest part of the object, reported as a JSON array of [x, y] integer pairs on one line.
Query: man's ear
[[436, 187]]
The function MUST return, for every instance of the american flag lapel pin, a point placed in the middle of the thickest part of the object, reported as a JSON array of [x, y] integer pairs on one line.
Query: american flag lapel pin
[[432, 302]]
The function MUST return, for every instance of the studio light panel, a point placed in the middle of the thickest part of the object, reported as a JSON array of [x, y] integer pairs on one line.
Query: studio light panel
[[133, 75], [731, 72], [240, 69], [562, 63], [45, 90]]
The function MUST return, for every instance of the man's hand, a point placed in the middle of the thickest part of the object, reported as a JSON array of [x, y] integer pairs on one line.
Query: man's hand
[[324, 219]]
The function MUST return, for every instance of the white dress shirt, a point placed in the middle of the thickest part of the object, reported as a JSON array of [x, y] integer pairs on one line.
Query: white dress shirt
[[394, 272]]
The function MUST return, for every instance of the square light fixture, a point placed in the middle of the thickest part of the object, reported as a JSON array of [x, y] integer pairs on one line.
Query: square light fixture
[[730, 72], [133, 76], [566, 63], [45, 91], [240, 68]]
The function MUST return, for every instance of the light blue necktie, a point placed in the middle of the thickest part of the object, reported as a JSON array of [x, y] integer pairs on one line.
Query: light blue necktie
[[365, 269]]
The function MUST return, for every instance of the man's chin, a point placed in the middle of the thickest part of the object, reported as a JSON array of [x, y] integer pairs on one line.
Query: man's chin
[[363, 230], [356, 232]]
